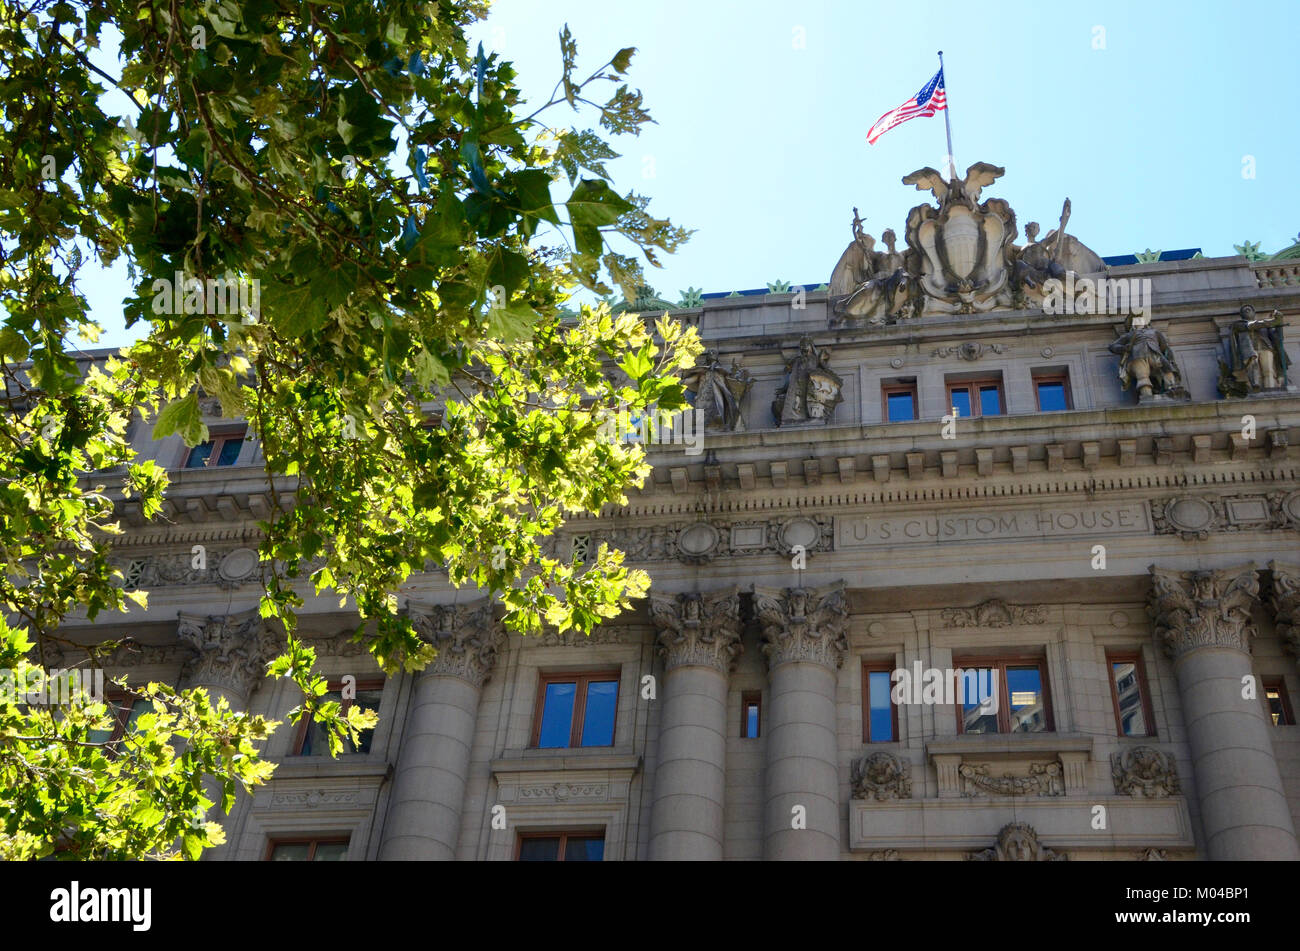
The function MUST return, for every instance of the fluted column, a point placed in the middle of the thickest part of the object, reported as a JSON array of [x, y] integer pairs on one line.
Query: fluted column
[[231, 652], [699, 640], [433, 765], [1203, 619], [805, 644]]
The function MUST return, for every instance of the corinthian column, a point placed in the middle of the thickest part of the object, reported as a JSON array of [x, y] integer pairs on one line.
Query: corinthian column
[[804, 642], [1203, 619], [231, 652], [433, 764], [699, 640], [1285, 601]]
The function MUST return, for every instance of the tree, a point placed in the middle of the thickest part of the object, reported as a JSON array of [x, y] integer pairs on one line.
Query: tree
[[376, 194]]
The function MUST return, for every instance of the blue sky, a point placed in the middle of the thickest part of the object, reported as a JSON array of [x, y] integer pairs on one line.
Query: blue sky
[[763, 109]]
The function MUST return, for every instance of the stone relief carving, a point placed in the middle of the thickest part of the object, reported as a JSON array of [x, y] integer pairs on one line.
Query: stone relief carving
[[466, 636], [719, 392], [698, 629], [230, 650], [803, 624], [1044, 779], [314, 798], [811, 390], [970, 350], [1203, 608], [702, 541], [995, 613], [1017, 842], [884, 855], [1146, 361], [881, 776], [1144, 772], [565, 792], [1257, 359], [869, 286], [602, 634], [1284, 599], [1196, 517], [1152, 855]]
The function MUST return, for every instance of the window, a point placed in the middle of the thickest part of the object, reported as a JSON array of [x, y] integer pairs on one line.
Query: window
[[561, 847], [1128, 692], [1003, 695], [125, 710], [576, 710], [311, 738], [976, 397], [1279, 704], [1053, 391], [880, 713], [334, 849], [900, 401], [751, 707], [219, 450]]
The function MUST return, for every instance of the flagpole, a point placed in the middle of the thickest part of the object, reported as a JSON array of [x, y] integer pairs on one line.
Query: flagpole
[[952, 169]]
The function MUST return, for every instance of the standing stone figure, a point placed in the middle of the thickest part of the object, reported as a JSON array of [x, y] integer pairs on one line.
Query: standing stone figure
[[1256, 358], [718, 391], [811, 390], [1146, 361]]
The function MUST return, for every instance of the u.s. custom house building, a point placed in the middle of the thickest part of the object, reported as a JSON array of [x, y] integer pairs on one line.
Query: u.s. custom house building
[[1070, 478]]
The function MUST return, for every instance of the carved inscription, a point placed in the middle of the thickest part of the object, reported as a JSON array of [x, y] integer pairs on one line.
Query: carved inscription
[[1039, 522]]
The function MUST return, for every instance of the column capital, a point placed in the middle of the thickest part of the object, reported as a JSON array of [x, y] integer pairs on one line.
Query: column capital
[[698, 629], [1193, 609], [1285, 602], [466, 636], [803, 624], [231, 651]]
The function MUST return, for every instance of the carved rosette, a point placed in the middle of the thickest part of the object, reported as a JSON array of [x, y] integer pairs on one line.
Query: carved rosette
[[466, 636], [231, 651], [881, 776], [698, 629], [1144, 772], [1194, 609], [1285, 602], [1017, 842], [803, 624]]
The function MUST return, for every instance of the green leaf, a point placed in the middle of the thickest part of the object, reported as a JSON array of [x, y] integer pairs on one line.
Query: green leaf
[[593, 205], [182, 416]]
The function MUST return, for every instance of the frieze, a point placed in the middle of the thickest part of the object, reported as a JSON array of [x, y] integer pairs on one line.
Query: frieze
[[314, 798], [565, 792], [602, 634], [995, 613], [1194, 517], [1044, 779], [702, 541]]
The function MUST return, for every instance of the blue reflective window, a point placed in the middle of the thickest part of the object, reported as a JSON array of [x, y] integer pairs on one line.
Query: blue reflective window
[[961, 401], [880, 707], [900, 406], [1051, 396], [979, 700], [990, 400], [557, 714], [598, 721], [751, 706]]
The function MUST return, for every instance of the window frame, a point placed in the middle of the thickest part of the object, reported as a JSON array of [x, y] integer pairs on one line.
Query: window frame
[[869, 668], [581, 679], [1288, 712], [746, 698], [1000, 663], [218, 439], [1064, 379], [563, 836], [886, 389], [974, 385], [374, 683], [1135, 657], [325, 838]]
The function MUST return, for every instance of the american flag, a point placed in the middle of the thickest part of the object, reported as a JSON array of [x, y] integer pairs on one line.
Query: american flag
[[927, 102]]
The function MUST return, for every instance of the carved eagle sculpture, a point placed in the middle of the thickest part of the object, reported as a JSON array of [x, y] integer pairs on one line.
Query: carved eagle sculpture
[[978, 176]]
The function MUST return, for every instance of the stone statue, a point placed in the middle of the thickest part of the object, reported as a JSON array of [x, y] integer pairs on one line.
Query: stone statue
[[719, 392], [811, 390], [1146, 361], [868, 285], [1256, 357]]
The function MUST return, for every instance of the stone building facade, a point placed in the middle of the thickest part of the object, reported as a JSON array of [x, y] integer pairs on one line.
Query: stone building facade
[[1107, 530]]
